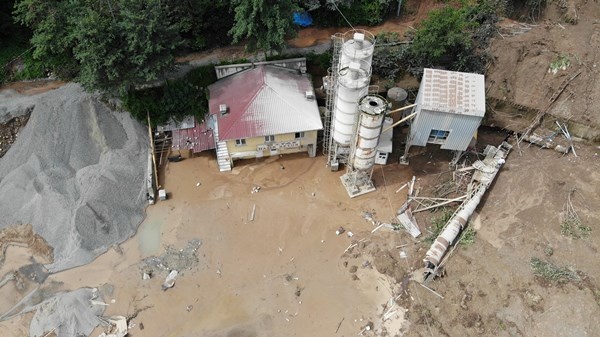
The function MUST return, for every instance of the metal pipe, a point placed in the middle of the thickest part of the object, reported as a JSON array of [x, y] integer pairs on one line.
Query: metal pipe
[[402, 108], [400, 121]]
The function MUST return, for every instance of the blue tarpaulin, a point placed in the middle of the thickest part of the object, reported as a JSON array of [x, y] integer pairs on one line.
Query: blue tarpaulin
[[303, 19]]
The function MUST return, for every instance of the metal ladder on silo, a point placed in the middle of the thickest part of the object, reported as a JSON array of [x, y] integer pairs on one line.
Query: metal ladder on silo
[[332, 74]]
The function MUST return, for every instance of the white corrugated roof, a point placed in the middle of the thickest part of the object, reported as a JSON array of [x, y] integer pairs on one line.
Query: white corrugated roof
[[453, 92]]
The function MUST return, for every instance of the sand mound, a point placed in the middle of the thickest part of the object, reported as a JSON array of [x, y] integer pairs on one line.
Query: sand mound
[[76, 173]]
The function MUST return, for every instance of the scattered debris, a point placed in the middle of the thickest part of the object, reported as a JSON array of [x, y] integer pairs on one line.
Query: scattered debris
[[170, 280], [481, 180], [173, 259], [198, 184], [339, 231], [367, 327], [401, 187], [350, 234], [567, 135], [162, 194], [440, 203], [255, 189], [189, 308], [118, 326], [175, 159], [340, 324], [545, 143], [253, 212], [540, 115], [404, 215], [433, 291]]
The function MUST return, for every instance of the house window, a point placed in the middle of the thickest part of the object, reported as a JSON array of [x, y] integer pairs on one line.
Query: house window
[[299, 135], [438, 136], [270, 138], [240, 142]]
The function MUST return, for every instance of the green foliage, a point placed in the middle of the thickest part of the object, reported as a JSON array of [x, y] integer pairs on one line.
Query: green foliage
[[32, 69], [117, 44], [388, 55], [437, 224], [366, 12], [561, 62], [553, 273], [264, 24], [358, 12], [10, 49], [175, 100], [453, 38], [572, 227], [468, 236], [203, 23], [442, 36], [321, 61]]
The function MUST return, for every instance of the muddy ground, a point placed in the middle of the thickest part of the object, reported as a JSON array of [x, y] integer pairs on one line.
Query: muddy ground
[[288, 273]]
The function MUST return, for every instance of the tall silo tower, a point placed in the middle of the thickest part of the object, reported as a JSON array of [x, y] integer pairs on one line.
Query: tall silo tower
[[349, 84], [372, 110]]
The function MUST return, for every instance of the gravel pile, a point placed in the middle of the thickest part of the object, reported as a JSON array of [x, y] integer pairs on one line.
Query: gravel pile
[[76, 173], [67, 314]]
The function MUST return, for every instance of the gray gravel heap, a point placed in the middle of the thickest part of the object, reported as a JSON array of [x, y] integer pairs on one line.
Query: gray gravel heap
[[68, 314], [76, 173]]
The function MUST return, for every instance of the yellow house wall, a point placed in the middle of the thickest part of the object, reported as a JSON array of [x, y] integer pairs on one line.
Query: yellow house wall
[[250, 149]]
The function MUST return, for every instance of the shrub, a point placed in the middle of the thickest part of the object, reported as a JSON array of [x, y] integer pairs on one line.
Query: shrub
[[552, 273], [175, 100]]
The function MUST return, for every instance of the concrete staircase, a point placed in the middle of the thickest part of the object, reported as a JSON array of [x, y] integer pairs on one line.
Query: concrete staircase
[[223, 157], [222, 153]]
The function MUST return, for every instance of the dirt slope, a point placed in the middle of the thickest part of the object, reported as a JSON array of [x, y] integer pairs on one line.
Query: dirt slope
[[519, 73]]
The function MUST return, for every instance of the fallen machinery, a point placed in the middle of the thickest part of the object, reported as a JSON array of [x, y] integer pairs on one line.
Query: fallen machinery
[[485, 172]]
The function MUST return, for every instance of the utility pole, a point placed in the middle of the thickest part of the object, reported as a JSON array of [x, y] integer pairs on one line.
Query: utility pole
[[399, 5]]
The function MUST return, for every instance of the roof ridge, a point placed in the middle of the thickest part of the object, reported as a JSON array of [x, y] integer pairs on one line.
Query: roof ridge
[[278, 95], [245, 107]]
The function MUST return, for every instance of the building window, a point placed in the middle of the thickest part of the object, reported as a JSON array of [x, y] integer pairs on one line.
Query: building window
[[270, 138], [438, 136], [240, 142], [299, 135]]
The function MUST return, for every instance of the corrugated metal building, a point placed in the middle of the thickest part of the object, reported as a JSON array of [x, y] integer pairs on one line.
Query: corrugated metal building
[[263, 110], [255, 110], [450, 107]]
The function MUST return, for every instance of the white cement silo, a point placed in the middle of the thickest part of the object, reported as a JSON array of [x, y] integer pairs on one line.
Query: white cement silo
[[353, 80], [372, 110], [358, 45]]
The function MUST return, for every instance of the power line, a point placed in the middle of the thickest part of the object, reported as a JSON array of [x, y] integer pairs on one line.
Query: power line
[[342, 14]]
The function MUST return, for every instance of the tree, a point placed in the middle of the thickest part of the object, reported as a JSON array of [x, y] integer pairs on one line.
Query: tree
[[204, 23], [388, 55], [116, 44], [358, 12], [126, 44], [442, 36], [263, 23]]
